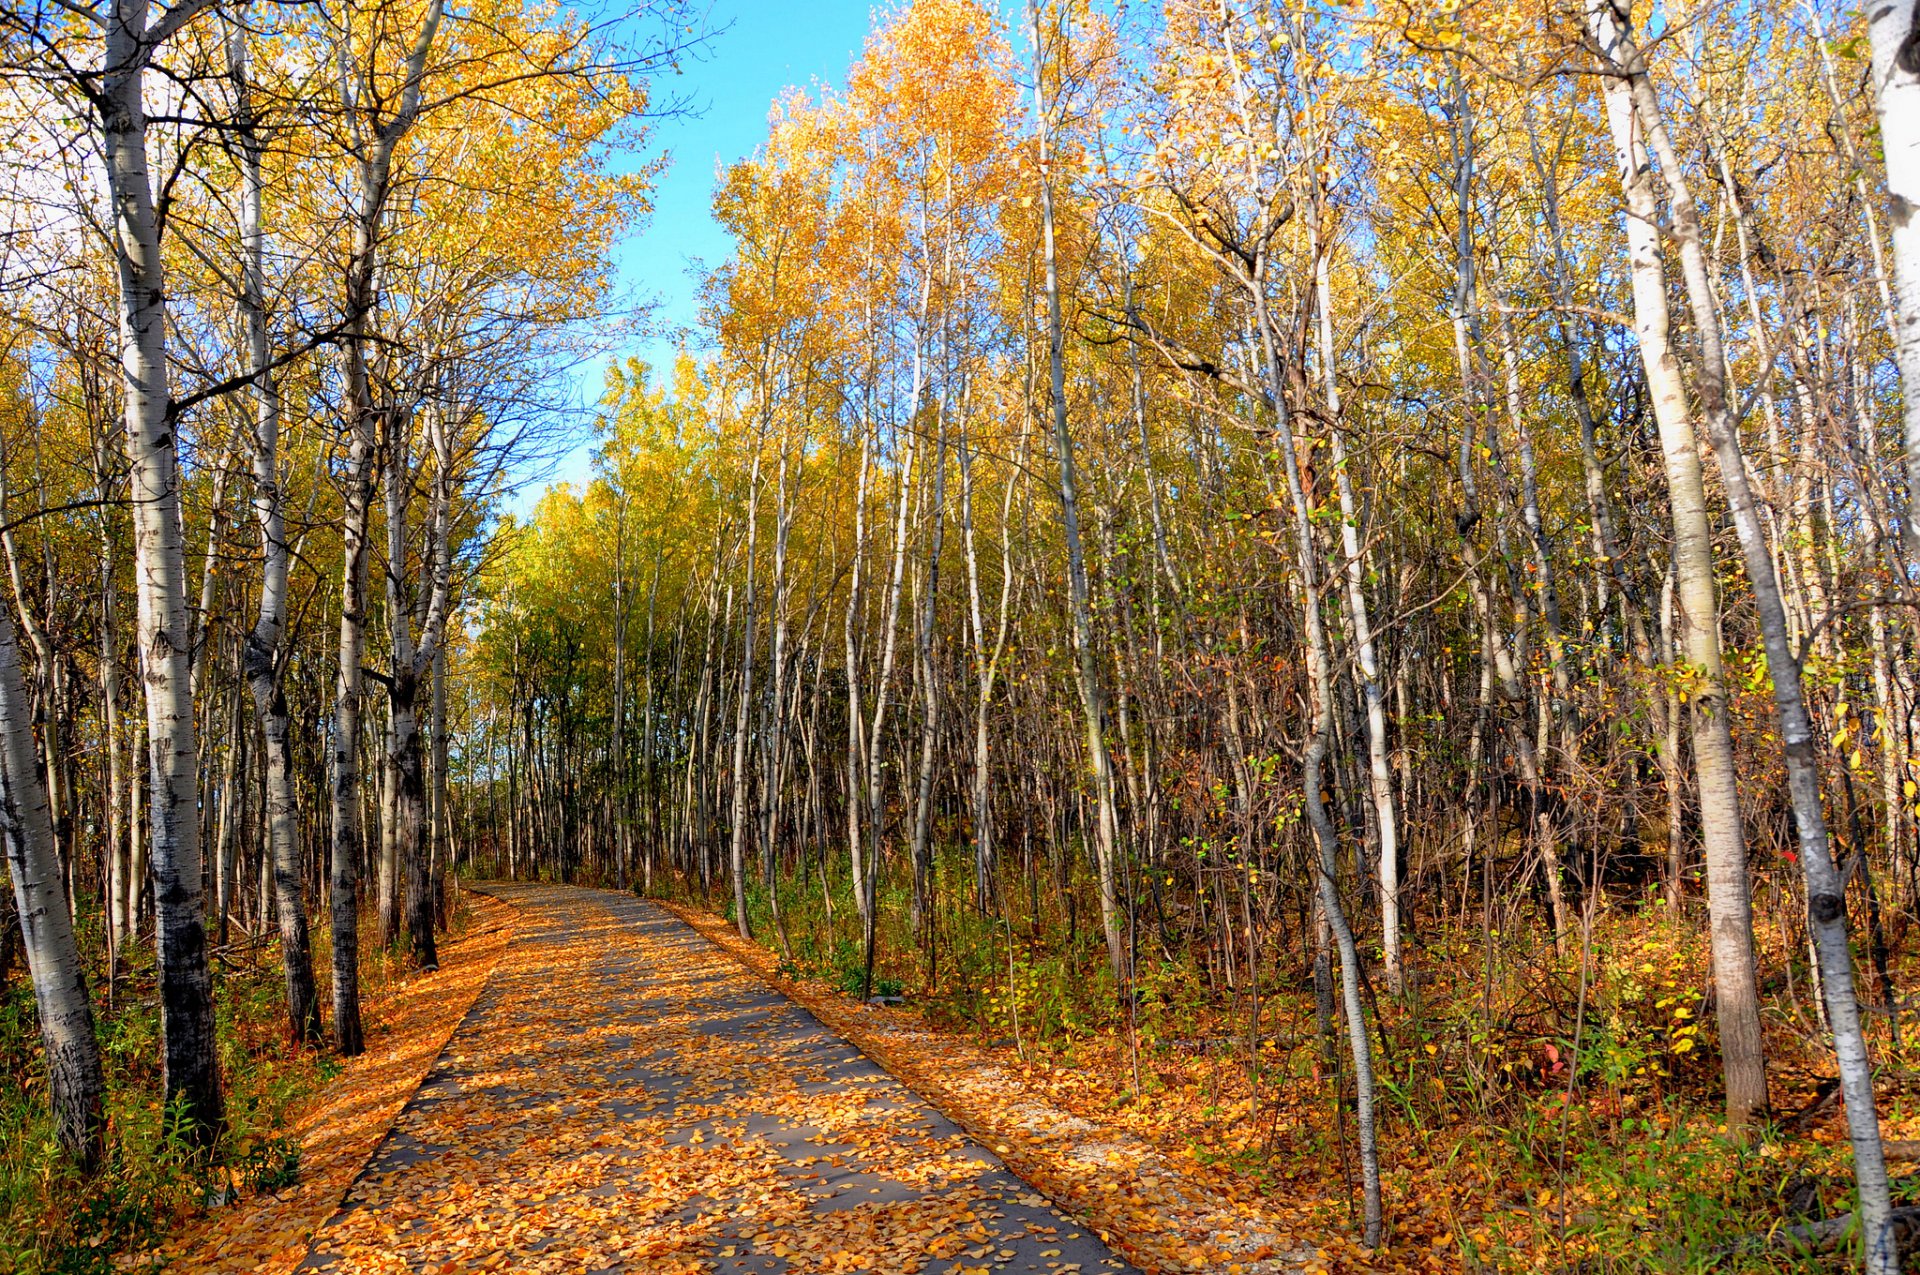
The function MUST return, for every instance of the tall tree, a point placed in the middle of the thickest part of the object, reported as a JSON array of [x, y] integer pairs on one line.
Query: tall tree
[[264, 652], [1729, 899], [374, 128], [132, 37], [1093, 698]]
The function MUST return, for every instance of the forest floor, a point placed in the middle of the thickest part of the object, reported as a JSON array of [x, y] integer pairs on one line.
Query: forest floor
[[407, 1025], [595, 1082], [624, 1096], [1147, 1195]]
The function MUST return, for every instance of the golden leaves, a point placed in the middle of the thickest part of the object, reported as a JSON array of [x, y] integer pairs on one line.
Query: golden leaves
[[1135, 1181], [625, 1098], [340, 1127]]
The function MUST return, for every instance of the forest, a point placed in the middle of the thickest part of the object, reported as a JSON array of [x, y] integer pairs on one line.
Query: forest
[[1334, 589]]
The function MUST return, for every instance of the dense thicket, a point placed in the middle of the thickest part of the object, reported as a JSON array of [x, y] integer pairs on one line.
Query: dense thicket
[[1349, 499]]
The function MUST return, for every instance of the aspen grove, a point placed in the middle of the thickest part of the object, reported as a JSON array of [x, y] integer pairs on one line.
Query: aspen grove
[[1344, 577]]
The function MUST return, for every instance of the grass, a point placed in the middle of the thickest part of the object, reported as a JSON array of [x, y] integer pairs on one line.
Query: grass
[[55, 1221], [1521, 1131]]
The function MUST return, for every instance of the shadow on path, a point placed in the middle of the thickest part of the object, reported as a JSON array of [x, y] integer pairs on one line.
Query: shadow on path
[[623, 1097]]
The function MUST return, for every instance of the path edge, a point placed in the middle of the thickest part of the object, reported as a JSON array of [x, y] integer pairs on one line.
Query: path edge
[[1081, 1204], [511, 920]]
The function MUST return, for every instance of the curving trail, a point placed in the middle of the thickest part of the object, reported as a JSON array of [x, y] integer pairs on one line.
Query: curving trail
[[624, 1097]]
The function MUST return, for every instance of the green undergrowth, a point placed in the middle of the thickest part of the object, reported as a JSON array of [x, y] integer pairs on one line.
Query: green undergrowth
[[56, 1221], [1562, 1114], [1669, 1192], [1045, 982]]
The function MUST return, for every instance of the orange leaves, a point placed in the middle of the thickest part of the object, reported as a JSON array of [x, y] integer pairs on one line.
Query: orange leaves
[[1050, 1127], [624, 1098], [339, 1128]]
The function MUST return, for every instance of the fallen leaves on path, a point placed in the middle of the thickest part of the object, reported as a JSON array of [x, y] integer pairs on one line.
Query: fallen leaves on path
[[1161, 1212], [340, 1127], [626, 1098]]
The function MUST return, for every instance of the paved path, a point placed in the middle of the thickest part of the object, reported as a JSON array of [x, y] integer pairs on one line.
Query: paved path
[[625, 1097]]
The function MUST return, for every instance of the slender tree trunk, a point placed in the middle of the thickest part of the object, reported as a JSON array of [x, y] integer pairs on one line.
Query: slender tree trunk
[[440, 854], [120, 887], [261, 658], [348, 700], [649, 766], [1825, 887], [741, 716], [869, 881], [925, 644], [1379, 773], [74, 1075], [1087, 672], [232, 773], [386, 880], [404, 869], [1312, 777], [773, 740], [139, 883], [373, 181], [856, 717], [190, 1068], [1729, 903], [987, 660], [622, 797]]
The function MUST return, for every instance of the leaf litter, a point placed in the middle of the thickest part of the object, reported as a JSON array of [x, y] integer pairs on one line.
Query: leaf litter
[[624, 1097], [338, 1129]]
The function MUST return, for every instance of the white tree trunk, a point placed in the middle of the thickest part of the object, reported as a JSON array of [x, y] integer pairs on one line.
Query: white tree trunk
[[1825, 888], [261, 655], [1893, 28], [46, 926], [165, 628], [1379, 773], [1729, 902], [1312, 778], [738, 842]]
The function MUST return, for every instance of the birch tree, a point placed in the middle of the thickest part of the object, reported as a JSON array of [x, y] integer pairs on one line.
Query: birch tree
[[1729, 903], [133, 36], [75, 1079], [264, 652], [1894, 35], [374, 128]]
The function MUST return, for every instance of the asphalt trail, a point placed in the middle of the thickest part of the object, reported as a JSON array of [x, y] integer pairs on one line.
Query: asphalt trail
[[625, 1097]]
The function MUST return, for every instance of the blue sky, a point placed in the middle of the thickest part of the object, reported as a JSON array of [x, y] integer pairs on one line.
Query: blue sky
[[764, 47]]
